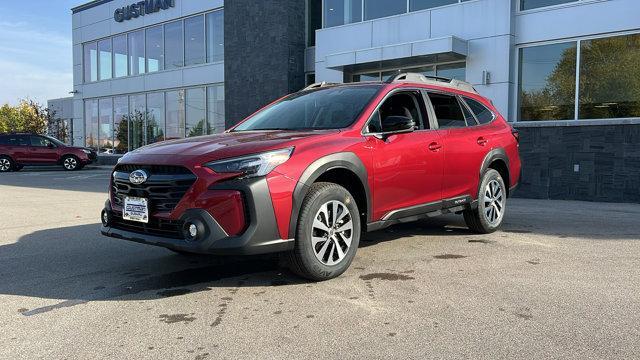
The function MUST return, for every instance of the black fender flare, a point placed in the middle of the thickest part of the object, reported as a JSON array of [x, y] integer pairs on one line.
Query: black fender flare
[[493, 155], [342, 160]]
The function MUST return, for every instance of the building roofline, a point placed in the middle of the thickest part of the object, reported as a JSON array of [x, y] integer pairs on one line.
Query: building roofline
[[89, 5]]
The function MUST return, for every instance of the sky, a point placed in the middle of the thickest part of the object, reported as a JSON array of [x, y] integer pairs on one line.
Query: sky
[[36, 50]]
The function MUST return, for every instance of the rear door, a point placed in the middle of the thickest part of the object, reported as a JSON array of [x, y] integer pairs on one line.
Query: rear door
[[18, 147], [465, 145], [406, 172], [42, 150]]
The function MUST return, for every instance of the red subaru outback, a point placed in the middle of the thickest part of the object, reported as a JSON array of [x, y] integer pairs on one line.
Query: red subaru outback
[[309, 173]]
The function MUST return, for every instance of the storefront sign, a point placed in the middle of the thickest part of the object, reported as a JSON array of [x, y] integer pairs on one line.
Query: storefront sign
[[142, 8]]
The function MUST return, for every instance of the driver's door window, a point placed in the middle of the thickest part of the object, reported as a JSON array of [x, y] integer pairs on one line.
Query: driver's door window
[[39, 141]]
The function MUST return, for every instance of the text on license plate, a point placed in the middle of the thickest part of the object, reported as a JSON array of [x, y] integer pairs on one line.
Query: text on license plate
[[136, 209]]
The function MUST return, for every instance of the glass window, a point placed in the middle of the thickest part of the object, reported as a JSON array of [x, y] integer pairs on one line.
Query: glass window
[[481, 112], [403, 104], [452, 71], [448, 111], [533, 4], [105, 125], [92, 120], [155, 49], [175, 114], [121, 67], [366, 77], [215, 109], [314, 20], [90, 62], [328, 108], [121, 124], [194, 44], [104, 49], [427, 4], [196, 115], [137, 116], [340, 12], [374, 9], [424, 70], [155, 117], [610, 77], [547, 82], [136, 53], [215, 36], [39, 141], [173, 45]]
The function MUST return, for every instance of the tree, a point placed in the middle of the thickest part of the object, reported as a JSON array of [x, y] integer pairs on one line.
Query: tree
[[27, 116]]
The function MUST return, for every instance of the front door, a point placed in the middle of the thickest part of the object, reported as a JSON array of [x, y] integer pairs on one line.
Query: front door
[[407, 167], [42, 150]]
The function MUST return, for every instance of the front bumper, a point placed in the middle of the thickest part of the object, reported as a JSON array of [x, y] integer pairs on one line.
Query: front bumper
[[261, 235]]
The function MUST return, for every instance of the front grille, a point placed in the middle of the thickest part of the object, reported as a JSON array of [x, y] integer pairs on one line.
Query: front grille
[[155, 227], [164, 188]]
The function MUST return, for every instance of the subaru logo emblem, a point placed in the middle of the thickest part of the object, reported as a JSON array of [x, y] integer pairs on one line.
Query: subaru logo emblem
[[138, 177]]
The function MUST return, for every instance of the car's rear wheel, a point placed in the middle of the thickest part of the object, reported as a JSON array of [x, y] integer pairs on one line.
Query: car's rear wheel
[[70, 163], [6, 164], [328, 233], [492, 201]]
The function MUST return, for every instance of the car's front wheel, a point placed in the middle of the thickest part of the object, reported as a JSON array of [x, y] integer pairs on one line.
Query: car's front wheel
[[492, 202], [328, 233], [70, 163], [6, 164]]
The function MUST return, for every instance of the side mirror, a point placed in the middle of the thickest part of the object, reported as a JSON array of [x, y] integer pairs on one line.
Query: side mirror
[[396, 125], [50, 146]]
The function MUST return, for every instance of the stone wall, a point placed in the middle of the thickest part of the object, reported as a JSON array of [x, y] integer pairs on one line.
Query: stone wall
[[592, 163]]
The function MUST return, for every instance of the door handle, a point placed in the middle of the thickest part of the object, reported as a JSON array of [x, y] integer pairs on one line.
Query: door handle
[[482, 141], [434, 146]]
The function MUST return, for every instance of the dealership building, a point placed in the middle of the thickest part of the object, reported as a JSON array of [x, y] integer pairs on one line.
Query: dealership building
[[565, 72]]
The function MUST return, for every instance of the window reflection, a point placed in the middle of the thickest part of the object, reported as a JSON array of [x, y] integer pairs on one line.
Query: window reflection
[[136, 53], [92, 123], [215, 36], [215, 109], [120, 124], [610, 77], [340, 12], [196, 124], [534, 4], [194, 49], [155, 117], [547, 82], [175, 114], [427, 4], [136, 118], [173, 45], [104, 50], [120, 56], [374, 9], [90, 62], [155, 49], [105, 132]]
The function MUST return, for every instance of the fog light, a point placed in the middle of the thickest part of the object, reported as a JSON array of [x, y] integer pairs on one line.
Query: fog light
[[193, 230], [105, 218]]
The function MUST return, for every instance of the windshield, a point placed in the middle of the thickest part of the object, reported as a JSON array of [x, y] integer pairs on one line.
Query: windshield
[[329, 108]]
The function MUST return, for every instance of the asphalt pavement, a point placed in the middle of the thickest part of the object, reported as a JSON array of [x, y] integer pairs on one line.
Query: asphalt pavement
[[562, 280]]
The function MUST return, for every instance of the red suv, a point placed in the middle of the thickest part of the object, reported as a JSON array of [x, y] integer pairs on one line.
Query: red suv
[[309, 173], [18, 150]]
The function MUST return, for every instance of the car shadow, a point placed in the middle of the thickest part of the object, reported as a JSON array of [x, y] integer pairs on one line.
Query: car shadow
[[86, 180], [80, 265]]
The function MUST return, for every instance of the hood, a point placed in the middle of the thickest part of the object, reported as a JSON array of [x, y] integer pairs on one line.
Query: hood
[[227, 145]]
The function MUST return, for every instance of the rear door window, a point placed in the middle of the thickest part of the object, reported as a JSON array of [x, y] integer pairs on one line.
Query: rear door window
[[448, 111], [14, 140], [481, 112]]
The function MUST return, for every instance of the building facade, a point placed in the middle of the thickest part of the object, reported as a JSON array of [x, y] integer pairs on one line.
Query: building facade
[[565, 72]]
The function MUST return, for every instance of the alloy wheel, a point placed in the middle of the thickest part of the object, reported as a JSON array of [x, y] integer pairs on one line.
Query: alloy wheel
[[5, 164], [494, 202], [70, 163], [332, 232]]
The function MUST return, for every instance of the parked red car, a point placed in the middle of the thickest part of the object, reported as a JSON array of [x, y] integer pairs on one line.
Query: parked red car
[[306, 175], [18, 150]]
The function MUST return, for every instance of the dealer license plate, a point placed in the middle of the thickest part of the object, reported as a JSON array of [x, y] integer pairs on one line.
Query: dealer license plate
[[136, 209]]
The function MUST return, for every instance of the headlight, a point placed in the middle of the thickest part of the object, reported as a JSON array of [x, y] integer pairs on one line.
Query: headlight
[[252, 165], [88, 152]]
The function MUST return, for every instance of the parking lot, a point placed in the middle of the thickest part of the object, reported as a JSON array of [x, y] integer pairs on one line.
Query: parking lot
[[561, 281]]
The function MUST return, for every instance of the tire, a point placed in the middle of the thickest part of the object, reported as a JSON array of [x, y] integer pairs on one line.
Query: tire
[[6, 164], [492, 200], [326, 209], [70, 163]]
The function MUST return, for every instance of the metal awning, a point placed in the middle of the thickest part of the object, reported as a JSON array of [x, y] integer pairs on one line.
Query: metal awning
[[449, 48]]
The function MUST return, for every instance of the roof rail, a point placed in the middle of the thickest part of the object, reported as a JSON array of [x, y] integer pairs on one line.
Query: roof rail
[[319, 85], [432, 80]]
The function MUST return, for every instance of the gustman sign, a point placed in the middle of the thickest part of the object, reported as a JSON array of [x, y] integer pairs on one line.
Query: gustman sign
[[142, 8]]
